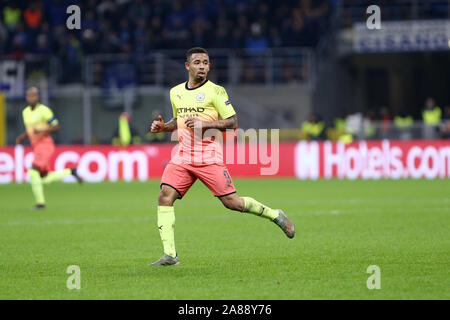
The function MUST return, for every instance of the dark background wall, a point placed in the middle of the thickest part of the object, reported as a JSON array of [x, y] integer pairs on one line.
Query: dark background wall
[[401, 82]]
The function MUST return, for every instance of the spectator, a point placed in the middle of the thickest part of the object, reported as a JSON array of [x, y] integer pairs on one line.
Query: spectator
[[33, 16], [176, 19], [445, 132], [43, 46], [385, 125], [431, 116], [11, 16], [125, 134], [403, 124], [368, 125], [340, 124], [43, 42], [354, 124], [339, 130], [90, 41], [313, 127], [256, 41]]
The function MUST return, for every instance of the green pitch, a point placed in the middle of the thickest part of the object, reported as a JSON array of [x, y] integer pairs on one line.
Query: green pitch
[[109, 231]]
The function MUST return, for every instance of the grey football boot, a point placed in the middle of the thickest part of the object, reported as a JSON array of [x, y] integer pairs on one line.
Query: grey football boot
[[285, 224], [166, 260]]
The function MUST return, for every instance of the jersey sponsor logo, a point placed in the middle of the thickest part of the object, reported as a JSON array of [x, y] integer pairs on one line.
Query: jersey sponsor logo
[[185, 110], [201, 96]]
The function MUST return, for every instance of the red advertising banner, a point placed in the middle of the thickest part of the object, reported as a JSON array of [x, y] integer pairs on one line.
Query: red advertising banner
[[304, 160], [373, 159]]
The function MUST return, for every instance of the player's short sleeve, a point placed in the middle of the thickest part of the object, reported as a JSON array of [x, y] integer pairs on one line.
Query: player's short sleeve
[[222, 103], [174, 109], [48, 116]]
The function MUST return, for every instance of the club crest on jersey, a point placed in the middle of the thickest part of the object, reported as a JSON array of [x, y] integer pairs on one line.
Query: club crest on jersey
[[201, 96]]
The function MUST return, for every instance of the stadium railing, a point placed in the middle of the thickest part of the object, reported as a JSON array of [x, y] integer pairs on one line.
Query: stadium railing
[[269, 66]]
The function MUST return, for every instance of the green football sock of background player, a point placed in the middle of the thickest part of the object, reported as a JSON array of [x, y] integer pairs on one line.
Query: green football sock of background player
[[56, 176], [37, 183]]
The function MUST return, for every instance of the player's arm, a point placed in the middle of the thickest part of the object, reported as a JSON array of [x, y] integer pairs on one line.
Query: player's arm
[[21, 138], [171, 125], [228, 123], [160, 126], [53, 129]]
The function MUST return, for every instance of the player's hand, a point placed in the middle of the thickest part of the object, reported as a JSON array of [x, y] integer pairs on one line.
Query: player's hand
[[157, 125], [192, 123]]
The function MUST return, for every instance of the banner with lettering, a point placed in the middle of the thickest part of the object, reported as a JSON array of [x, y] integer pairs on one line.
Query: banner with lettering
[[379, 159]]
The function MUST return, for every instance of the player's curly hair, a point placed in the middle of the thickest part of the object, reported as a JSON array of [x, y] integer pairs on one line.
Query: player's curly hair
[[191, 51]]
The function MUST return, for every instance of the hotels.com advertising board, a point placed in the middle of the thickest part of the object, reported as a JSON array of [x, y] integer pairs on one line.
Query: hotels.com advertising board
[[381, 159]]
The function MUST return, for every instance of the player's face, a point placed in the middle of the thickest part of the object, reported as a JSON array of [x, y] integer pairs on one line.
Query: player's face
[[198, 66], [32, 97]]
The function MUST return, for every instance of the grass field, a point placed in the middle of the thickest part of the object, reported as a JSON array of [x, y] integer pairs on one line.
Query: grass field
[[109, 231]]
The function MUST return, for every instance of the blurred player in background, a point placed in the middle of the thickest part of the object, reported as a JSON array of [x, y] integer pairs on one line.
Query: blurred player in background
[[126, 133], [197, 105], [40, 123]]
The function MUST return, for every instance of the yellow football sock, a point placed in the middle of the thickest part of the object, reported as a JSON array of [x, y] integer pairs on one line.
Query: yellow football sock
[[257, 208], [36, 186], [56, 176], [166, 226]]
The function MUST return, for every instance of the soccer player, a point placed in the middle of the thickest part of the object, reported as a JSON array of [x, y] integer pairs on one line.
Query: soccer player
[[197, 105], [39, 125]]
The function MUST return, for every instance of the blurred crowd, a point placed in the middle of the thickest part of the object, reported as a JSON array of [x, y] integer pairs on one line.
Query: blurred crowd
[[136, 27], [434, 123]]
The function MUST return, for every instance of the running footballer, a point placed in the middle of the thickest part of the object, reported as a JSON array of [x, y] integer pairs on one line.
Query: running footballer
[[198, 105], [40, 123]]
